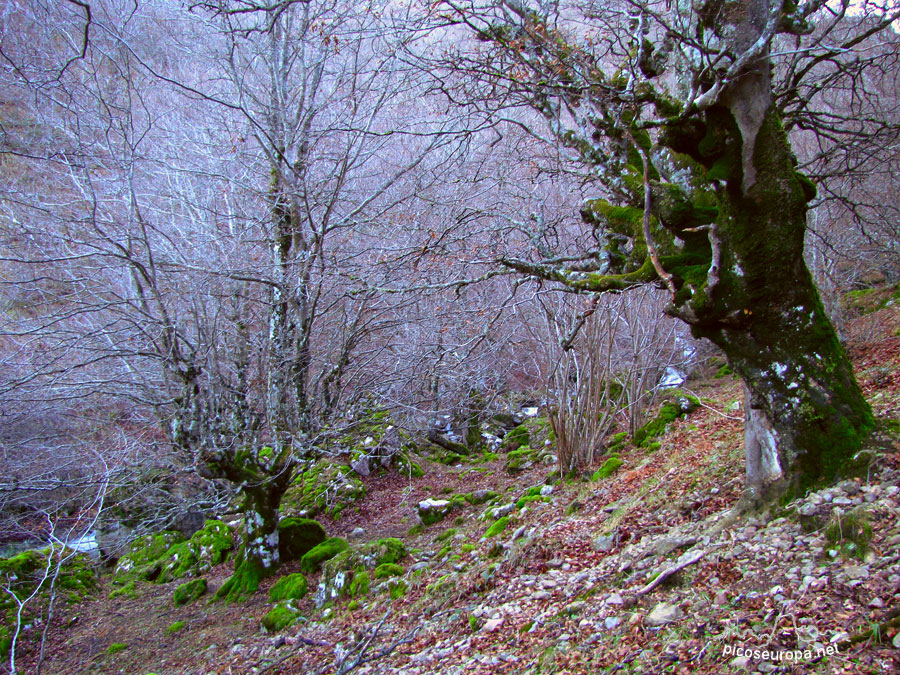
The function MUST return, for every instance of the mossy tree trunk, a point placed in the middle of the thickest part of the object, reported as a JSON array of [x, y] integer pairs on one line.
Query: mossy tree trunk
[[805, 413], [263, 478], [705, 199]]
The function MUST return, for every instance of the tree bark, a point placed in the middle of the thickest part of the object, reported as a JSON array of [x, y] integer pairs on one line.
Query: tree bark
[[806, 415]]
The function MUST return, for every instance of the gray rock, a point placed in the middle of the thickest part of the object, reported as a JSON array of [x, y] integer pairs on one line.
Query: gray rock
[[611, 622], [501, 511], [546, 490], [666, 546], [361, 465], [856, 572], [604, 543], [663, 614], [807, 510]]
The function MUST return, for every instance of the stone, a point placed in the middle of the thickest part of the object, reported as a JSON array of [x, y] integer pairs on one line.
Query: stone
[[546, 490], [663, 614], [604, 543], [856, 572], [433, 510], [807, 510], [502, 511], [740, 662], [666, 546], [357, 533], [611, 622], [492, 625], [615, 599]]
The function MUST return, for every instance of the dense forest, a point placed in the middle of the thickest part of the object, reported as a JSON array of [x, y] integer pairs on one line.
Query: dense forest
[[454, 336]]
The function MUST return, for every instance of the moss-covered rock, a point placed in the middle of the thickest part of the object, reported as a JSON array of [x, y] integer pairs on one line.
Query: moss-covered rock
[[189, 591], [360, 583], [143, 560], [678, 405], [312, 560], [280, 617], [350, 572], [207, 548], [30, 572], [607, 469], [322, 487], [497, 527], [520, 460], [166, 556], [177, 562], [388, 550], [404, 465], [433, 511], [298, 536], [290, 587], [516, 438], [386, 570]]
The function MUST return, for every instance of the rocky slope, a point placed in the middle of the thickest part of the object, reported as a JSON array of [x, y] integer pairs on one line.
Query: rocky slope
[[642, 571]]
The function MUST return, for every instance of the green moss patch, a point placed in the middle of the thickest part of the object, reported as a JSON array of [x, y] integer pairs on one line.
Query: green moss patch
[[313, 559], [516, 438], [499, 526], [175, 627], [189, 592], [388, 570], [23, 573], [608, 468], [116, 647], [143, 559], [359, 586], [290, 587], [389, 550], [244, 582], [167, 556], [280, 617], [322, 487], [520, 460], [680, 405], [397, 589]]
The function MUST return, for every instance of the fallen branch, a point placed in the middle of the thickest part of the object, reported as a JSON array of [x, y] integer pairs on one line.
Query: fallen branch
[[688, 559]]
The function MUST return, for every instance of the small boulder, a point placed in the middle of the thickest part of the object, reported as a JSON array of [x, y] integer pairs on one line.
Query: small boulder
[[663, 614], [290, 587], [432, 511], [297, 536], [190, 591], [312, 560]]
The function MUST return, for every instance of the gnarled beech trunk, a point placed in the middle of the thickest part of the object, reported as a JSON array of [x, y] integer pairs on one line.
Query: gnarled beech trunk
[[263, 476], [805, 413]]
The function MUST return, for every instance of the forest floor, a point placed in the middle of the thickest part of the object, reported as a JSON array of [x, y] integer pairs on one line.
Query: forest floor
[[640, 572]]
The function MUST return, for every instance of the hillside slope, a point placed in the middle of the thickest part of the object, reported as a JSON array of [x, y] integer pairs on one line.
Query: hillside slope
[[642, 571]]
